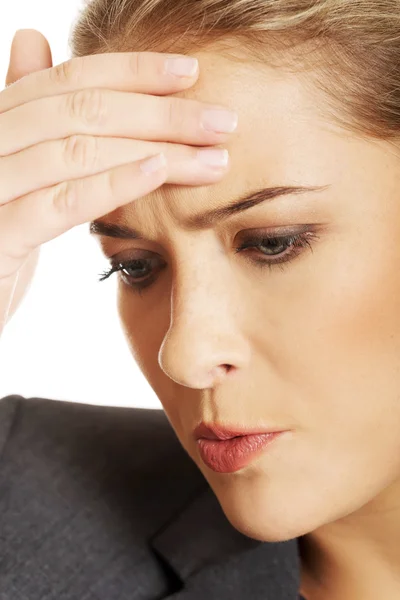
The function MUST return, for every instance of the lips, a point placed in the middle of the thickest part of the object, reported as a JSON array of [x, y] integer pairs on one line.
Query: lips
[[227, 456], [218, 432], [227, 450]]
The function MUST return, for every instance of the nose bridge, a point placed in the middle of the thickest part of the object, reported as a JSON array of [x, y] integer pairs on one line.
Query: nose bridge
[[205, 332], [200, 292]]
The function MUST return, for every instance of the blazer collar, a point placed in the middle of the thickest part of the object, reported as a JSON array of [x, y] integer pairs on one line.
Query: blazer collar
[[215, 561]]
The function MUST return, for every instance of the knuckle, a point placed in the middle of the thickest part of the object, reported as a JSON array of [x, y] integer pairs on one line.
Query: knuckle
[[87, 106], [65, 201], [173, 113], [80, 151], [135, 62], [66, 72], [111, 183]]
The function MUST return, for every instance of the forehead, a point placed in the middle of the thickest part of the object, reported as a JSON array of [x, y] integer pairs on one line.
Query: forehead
[[275, 108], [280, 133]]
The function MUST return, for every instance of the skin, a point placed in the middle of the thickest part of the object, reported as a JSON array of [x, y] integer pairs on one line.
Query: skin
[[30, 54], [313, 348]]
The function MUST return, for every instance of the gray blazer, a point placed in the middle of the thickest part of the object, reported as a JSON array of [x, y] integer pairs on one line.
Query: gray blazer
[[103, 503]]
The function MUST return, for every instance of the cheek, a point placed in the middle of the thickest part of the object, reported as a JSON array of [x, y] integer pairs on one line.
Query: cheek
[[346, 370], [341, 331], [362, 317], [339, 363], [139, 326], [145, 325]]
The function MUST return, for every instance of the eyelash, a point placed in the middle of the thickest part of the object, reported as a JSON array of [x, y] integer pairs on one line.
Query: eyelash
[[299, 242]]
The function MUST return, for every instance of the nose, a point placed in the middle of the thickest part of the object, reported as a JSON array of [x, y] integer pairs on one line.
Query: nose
[[205, 343]]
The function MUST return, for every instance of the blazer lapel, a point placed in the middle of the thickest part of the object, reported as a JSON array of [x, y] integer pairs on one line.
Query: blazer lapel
[[214, 561]]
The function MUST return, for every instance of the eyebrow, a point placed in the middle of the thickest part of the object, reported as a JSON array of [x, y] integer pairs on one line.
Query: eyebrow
[[210, 217]]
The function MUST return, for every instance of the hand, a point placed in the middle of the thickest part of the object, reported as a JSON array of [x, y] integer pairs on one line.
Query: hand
[[72, 140]]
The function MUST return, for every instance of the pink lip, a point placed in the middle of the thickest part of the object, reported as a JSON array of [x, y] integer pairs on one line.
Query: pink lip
[[218, 432], [227, 450], [233, 454]]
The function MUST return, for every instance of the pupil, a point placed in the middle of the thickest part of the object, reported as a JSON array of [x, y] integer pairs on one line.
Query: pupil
[[135, 269], [276, 244]]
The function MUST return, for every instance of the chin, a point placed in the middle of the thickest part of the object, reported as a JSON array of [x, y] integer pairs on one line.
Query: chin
[[267, 511]]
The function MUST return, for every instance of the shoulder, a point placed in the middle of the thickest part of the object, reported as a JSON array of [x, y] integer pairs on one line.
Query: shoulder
[[8, 411], [96, 450], [83, 489], [83, 427]]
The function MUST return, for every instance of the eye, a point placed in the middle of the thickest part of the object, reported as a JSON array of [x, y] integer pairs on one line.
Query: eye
[[278, 250], [271, 251], [135, 270]]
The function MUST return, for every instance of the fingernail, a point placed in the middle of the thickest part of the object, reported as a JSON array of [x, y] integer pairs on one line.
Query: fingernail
[[213, 157], [153, 164], [183, 67], [221, 121]]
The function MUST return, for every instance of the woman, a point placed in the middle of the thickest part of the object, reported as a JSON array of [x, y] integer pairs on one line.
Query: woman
[[116, 503]]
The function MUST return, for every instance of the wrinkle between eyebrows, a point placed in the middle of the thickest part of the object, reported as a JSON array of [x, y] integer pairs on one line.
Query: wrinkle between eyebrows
[[210, 217]]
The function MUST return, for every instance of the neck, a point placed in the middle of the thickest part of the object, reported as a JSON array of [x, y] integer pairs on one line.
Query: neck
[[357, 557]]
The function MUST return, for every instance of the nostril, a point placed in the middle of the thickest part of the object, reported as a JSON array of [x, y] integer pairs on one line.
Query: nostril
[[223, 369], [217, 374]]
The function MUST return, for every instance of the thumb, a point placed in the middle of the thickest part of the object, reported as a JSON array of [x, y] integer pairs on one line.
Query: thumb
[[30, 52]]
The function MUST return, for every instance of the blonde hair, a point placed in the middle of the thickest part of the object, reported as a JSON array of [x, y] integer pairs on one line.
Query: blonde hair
[[350, 47]]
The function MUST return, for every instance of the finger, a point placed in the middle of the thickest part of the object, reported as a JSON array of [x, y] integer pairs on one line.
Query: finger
[[30, 52], [14, 288], [142, 72], [43, 215], [115, 114], [49, 163]]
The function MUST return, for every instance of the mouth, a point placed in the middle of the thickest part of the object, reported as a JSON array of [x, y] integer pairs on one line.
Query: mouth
[[214, 431], [228, 450]]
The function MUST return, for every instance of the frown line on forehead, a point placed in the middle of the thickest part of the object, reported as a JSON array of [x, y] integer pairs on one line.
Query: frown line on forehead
[[210, 217]]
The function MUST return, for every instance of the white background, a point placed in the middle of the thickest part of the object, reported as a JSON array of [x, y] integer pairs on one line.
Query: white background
[[65, 342]]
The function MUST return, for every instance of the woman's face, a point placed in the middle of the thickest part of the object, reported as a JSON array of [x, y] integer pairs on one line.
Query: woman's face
[[313, 343]]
